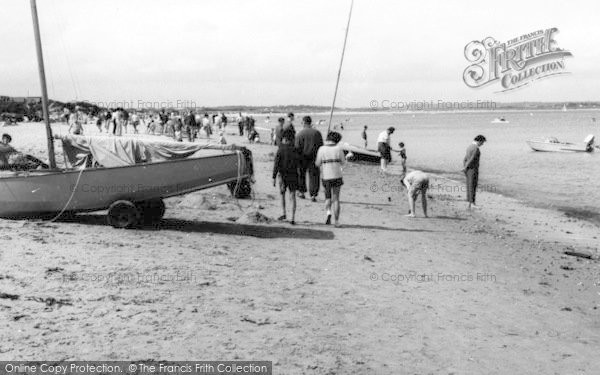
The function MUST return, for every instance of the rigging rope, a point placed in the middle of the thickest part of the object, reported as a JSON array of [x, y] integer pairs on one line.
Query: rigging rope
[[337, 83]]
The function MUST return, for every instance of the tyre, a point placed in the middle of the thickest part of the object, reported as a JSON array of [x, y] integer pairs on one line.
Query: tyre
[[123, 214]]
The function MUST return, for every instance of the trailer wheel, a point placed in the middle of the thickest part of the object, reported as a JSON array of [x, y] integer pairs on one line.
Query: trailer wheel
[[123, 214], [151, 211]]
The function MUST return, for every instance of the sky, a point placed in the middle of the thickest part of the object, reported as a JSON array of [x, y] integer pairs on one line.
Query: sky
[[278, 52]]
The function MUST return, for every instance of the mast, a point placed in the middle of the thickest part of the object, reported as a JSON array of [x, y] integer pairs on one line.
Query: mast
[[340, 69], [40, 58]]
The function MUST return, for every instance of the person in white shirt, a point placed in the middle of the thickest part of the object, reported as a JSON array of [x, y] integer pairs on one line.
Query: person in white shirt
[[75, 122], [416, 182], [117, 117], [206, 125], [135, 122], [331, 159], [384, 148]]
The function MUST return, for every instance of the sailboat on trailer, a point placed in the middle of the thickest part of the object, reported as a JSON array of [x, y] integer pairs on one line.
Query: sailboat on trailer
[[128, 177]]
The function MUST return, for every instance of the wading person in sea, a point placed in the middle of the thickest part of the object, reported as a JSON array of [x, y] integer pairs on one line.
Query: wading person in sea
[[471, 168], [286, 165], [308, 141], [416, 182], [384, 147], [331, 159]]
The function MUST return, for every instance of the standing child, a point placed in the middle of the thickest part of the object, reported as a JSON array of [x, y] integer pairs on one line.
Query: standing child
[[364, 135], [330, 158], [222, 139], [402, 153], [286, 166]]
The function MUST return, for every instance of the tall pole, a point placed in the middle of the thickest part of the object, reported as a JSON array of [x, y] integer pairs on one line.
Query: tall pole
[[40, 58], [337, 83]]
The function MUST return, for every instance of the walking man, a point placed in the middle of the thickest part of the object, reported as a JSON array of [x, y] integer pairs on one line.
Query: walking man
[[190, 126], [471, 168], [308, 141]]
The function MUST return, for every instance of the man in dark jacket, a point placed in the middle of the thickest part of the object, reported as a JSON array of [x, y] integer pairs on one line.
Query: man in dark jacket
[[308, 141], [190, 126], [286, 165], [279, 131], [471, 168]]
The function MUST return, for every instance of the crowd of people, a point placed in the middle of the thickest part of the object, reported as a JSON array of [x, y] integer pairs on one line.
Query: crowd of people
[[188, 124], [303, 160], [301, 154], [305, 154]]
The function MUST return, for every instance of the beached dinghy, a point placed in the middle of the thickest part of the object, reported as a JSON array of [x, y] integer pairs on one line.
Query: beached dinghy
[[356, 153], [127, 176], [551, 144]]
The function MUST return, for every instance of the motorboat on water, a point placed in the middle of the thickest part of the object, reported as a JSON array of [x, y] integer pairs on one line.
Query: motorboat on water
[[356, 153], [552, 144], [128, 176], [500, 120]]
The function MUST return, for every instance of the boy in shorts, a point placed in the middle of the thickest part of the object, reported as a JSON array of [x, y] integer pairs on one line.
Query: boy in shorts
[[286, 166]]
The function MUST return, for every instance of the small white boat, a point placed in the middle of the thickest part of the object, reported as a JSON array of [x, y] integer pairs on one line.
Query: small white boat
[[356, 153], [551, 144], [500, 120]]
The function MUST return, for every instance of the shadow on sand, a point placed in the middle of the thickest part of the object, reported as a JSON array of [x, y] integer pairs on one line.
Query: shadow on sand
[[449, 218], [190, 226], [389, 204], [378, 227]]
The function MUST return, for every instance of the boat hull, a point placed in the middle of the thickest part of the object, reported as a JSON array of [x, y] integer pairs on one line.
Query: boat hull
[[96, 189], [558, 147], [361, 154]]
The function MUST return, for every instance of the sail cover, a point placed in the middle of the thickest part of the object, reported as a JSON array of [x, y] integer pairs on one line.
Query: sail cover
[[82, 151]]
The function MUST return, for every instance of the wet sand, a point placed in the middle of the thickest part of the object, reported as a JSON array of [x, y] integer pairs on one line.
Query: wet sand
[[487, 291]]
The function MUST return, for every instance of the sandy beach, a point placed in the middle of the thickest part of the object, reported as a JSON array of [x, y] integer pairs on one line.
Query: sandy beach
[[486, 291]]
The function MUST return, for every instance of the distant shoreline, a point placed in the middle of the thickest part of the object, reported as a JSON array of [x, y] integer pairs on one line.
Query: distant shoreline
[[400, 113]]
